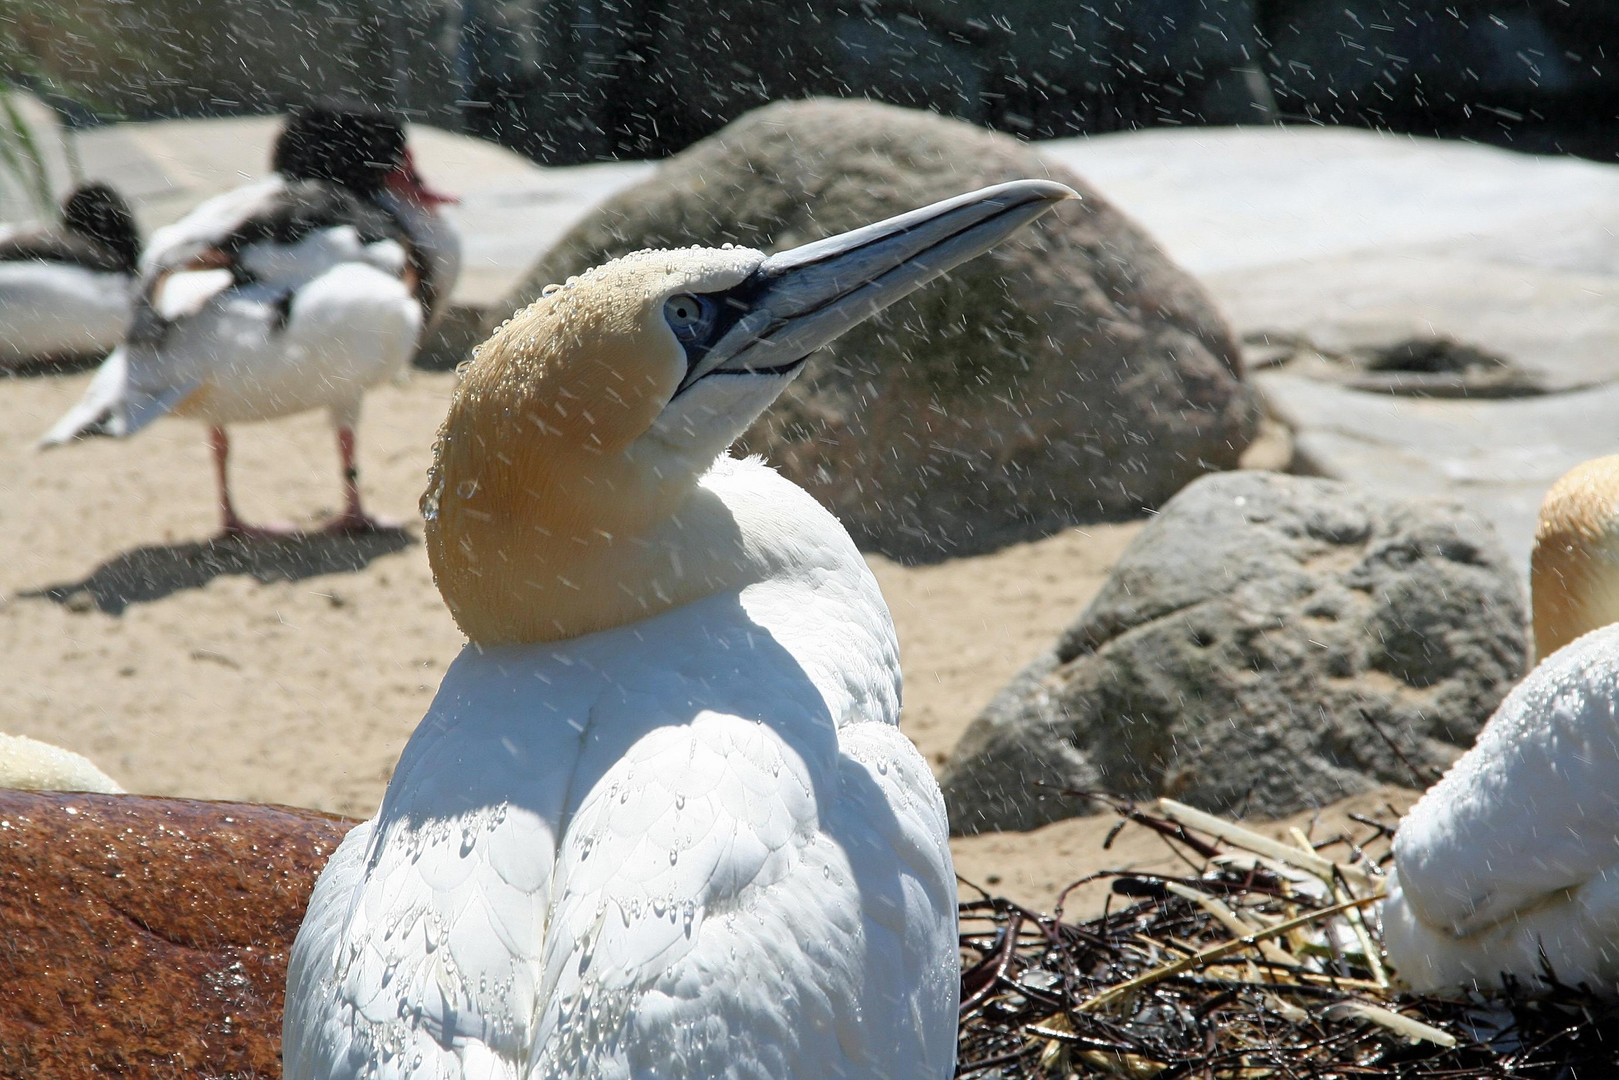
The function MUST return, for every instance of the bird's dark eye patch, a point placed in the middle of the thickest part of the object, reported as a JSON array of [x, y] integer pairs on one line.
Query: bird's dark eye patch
[[692, 318]]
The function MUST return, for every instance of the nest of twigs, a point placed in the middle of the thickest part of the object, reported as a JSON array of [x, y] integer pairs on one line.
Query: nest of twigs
[[1264, 959]]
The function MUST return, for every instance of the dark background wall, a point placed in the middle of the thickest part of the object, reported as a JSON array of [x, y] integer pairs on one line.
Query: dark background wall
[[579, 80]]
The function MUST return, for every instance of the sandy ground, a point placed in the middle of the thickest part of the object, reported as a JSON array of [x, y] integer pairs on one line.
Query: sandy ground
[[295, 673]]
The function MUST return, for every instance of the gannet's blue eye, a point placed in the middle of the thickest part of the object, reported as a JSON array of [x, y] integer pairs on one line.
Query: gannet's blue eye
[[690, 317]]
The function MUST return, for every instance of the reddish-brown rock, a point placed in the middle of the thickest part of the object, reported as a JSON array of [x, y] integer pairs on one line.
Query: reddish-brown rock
[[145, 937]]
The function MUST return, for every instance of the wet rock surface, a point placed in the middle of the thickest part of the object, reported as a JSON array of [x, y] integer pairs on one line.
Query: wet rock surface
[[1267, 644], [1074, 373], [148, 937]]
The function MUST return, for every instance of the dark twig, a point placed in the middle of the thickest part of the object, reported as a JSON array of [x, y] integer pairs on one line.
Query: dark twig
[[1201, 1009]]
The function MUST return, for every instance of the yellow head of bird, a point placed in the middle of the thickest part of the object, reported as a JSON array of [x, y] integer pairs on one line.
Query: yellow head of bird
[[1574, 566], [564, 473]]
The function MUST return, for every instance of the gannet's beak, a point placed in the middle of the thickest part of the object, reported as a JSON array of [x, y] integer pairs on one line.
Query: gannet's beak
[[798, 300]]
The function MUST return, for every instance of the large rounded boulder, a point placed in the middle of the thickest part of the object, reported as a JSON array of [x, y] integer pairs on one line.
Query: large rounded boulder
[[1072, 374], [1268, 643]]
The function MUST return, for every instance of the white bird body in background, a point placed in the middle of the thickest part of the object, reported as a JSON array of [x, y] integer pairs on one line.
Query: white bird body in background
[[68, 291], [1509, 866], [1514, 855], [50, 310], [660, 820], [296, 292]]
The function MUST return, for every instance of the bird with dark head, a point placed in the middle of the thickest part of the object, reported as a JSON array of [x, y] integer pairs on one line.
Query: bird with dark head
[[296, 292], [100, 215], [66, 291], [354, 147]]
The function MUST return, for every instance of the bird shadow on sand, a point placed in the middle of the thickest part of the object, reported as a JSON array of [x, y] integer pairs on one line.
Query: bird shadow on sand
[[145, 574], [65, 364]]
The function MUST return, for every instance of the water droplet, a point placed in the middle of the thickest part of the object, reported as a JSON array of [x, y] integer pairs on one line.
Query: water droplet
[[430, 498], [550, 290]]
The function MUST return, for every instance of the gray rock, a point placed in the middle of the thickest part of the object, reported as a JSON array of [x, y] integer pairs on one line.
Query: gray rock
[[1496, 457], [163, 58], [1072, 374], [647, 79], [1362, 60], [1268, 643]]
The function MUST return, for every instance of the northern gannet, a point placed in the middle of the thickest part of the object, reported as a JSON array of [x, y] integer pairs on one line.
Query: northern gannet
[[660, 820], [296, 292], [1574, 567], [1510, 864], [68, 290]]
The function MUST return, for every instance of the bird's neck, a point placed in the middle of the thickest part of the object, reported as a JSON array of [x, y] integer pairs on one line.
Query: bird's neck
[[1574, 565], [526, 555], [434, 250], [1574, 588]]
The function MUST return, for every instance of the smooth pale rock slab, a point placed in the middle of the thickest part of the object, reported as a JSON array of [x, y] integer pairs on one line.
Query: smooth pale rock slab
[[1269, 643], [1559, 326], [1498, 458], [1072, 373], [1327, 234], [148, 937], [1226, 199]]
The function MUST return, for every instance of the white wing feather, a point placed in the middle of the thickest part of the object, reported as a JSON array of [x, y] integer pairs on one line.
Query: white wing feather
[[1532, 808], [1512, 855], [337, 321], [174, 246]]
